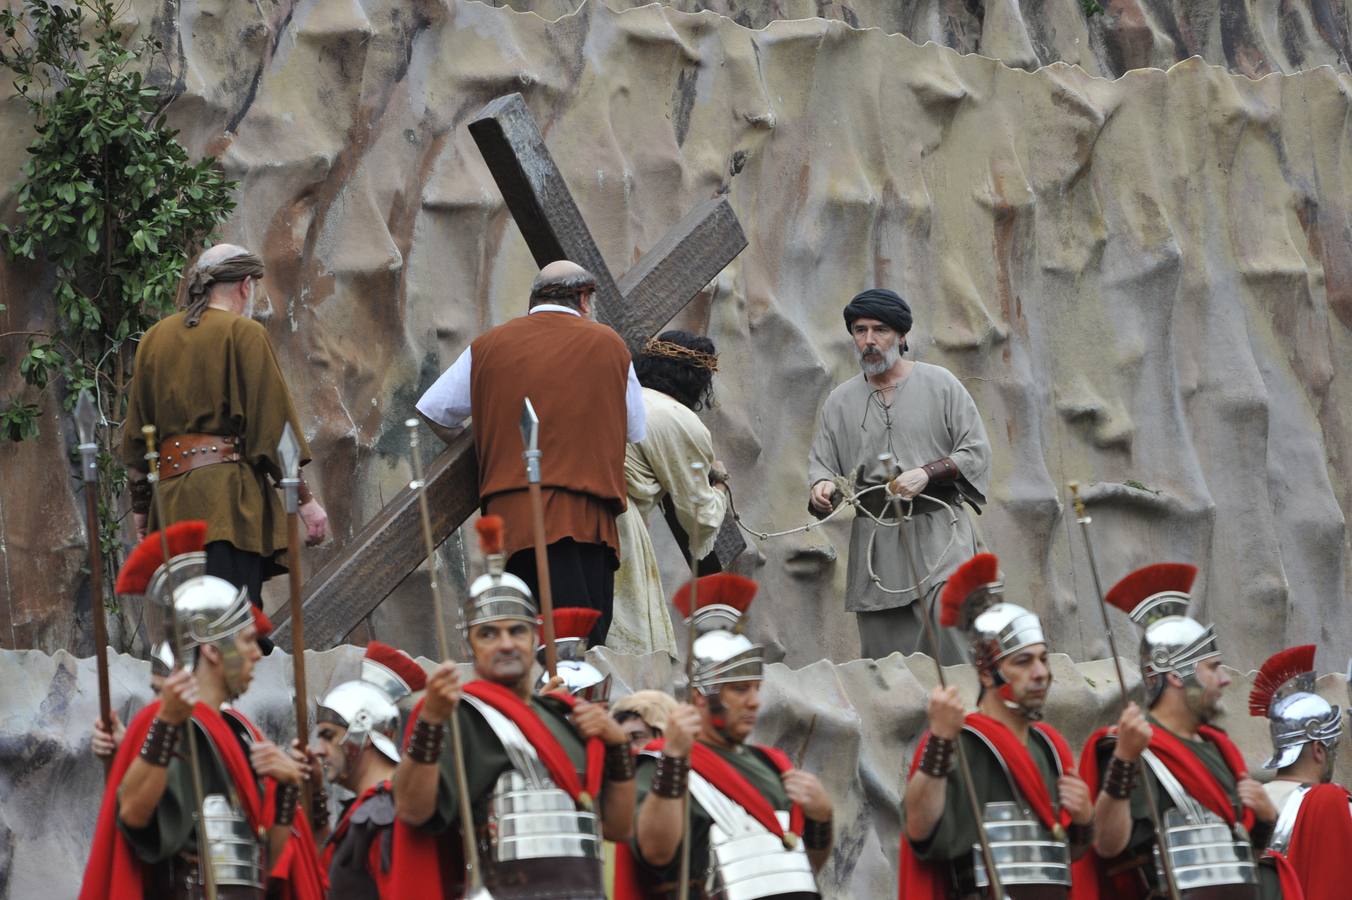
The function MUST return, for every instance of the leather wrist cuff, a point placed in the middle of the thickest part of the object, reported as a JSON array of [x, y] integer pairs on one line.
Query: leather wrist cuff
[[941, 470], [671, 778], [817, 835], [619, 763], [426, 742], [319, 809], [140, 496], [158, 747], [303, 493], [1120, 779], [938, 756], [1080, 835], [287, 797]]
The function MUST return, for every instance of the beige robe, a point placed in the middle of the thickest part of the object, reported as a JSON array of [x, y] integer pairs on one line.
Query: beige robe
[[654, 467]]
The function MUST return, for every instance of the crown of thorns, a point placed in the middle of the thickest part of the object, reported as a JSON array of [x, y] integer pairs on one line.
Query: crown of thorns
[[672, 350]]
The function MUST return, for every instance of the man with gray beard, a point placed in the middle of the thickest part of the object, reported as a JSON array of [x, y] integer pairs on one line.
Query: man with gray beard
[[924, 418]]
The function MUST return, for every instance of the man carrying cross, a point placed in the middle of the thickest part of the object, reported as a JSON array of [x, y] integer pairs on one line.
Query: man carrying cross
[[578, 376]]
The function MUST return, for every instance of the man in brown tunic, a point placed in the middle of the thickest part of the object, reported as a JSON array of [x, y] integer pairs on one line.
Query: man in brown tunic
[[578, 376], [209, 382]]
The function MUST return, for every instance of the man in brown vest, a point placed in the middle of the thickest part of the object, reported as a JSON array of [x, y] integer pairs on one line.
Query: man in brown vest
[[578, 376]]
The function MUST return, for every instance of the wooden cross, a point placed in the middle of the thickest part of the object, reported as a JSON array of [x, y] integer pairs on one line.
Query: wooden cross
[[343, 593]]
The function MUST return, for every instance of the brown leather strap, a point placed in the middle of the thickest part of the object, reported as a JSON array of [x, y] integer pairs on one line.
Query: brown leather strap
[[185, 452], [941, 470]]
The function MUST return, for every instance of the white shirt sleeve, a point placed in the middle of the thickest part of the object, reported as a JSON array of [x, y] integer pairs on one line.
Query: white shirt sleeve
[[636, 428], [447, 401]]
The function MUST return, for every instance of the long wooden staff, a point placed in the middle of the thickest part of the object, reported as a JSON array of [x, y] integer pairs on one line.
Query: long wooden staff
[[530, 439], [474, 873], [86, 419], [683, 882], [964, 768], [204, 864], [1171, 881], [288, 451]]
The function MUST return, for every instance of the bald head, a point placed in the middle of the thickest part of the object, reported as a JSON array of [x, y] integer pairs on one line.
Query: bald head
[[563, 282], [219, 254]]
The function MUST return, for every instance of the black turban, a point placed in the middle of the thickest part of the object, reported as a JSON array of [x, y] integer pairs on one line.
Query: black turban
[[881, 304]]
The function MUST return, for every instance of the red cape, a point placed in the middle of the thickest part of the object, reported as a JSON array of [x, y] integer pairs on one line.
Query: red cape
[[923, 880], [382, 878], [430, 866], [1321, 844], [723, 776], [113, 870], [1196, 779]]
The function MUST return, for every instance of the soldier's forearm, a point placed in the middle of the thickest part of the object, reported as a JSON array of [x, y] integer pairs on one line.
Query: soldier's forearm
[[617, 810], [660, 829], [278, 835], [925, 796], [1112, 825], [142, 788], [415, 791]]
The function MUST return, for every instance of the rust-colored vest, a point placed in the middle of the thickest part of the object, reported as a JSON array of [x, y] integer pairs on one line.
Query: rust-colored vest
[[574, 371]]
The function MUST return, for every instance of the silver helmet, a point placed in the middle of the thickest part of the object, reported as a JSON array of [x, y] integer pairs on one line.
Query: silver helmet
[[580, 678], [722, 654], [496, 595], [368, 708], [973, 602], [1156, 598], [1284, 693], [206, 610]]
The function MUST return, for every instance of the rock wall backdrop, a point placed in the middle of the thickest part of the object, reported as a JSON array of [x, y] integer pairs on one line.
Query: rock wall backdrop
[[854, 724], [1144, 277]]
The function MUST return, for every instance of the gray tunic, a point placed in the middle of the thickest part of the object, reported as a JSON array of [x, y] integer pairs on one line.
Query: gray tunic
[[931, 416]]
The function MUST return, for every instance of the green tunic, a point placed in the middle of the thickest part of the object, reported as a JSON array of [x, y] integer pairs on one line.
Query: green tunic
[[171, 831], [221, 378], [1142, 839], [751, 765], [956, 833], [486, 760]]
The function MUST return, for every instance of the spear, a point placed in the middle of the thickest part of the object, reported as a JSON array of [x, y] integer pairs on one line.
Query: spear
[[204, 864], [476, 889], [530, 439], [1171, 881], [964, 768], [683, 883], [288, 451], [86, 418]]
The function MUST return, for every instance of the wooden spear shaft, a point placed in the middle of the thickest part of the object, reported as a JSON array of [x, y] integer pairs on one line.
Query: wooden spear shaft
[[683, 881], [1167, 864], [86, 420]]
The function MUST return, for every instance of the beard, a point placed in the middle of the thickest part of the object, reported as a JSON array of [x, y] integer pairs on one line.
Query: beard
[[879, 362], [1206, 709]]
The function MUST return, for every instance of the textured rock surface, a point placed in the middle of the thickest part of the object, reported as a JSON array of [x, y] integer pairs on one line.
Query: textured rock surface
[[1145, 282], [867, 718]]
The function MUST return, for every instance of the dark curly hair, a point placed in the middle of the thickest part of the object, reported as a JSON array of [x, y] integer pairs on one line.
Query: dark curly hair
[[692, 385]]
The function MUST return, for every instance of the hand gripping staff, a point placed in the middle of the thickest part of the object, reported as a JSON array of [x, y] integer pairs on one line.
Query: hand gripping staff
[[153, 476], [86, 418], [288, 452], [475, 889], [1084, 519], [964, 769]]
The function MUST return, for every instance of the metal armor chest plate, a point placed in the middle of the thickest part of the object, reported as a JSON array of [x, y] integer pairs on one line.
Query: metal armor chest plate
[[529, 817], [746, 861], [1205, 853], [234, 848], [1024, 851]]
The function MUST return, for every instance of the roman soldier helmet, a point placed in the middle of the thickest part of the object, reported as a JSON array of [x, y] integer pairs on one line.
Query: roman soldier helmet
[[722, 654], [580, 678], [206, 610], [973, 602], [1156, 598], [369, 706], [496, 595], [1284, 693]]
